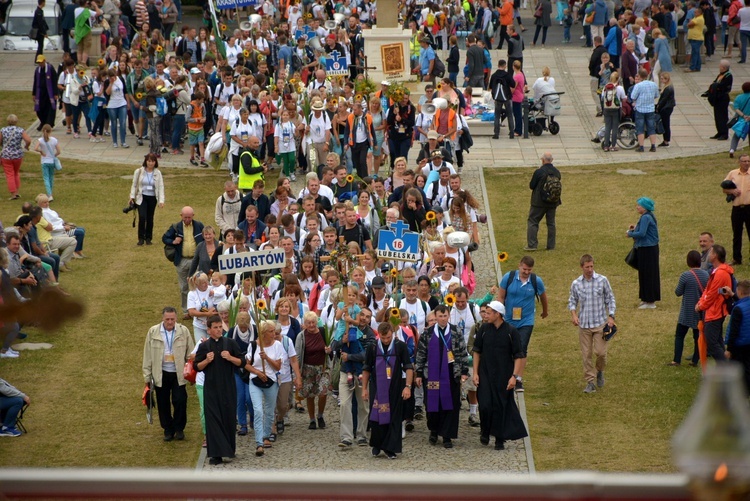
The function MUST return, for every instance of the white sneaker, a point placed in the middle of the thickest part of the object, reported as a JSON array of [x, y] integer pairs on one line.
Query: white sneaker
[[9, 354], [647, 306], [11, 350]]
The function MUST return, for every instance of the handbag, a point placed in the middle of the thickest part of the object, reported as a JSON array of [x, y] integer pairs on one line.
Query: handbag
[[658, 124], [58, 164], [189, 372], [733, 121], [632, 258], [33, 33], [538, 11], [257, 381]]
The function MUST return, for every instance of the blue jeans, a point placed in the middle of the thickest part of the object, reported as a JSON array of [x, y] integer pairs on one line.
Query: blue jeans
[[453, 77], [645, 122], [83, 107], [399, 148], [744, 37], [525, 334], [48, 173], [566, 33], [264, 405], [79, 234], [695, 55], [118, 115], [518, 118], [11, 407], [679, 343], [244, 404], [178, 127]]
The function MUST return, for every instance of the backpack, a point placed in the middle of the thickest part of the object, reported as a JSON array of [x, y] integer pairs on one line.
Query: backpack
[[729, 301], [162, 108], [495, 18], [438, 69], [360, 237], [512, 276], [551, 190], [609, 97]]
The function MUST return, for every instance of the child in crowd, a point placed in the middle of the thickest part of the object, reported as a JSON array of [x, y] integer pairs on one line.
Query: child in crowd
[[196, 117], [407, 333], [216, 290], [567, 22], [346, 317], [467, 96]]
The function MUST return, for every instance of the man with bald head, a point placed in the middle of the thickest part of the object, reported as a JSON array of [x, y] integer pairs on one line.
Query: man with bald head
[[544, 203], [183, 237]]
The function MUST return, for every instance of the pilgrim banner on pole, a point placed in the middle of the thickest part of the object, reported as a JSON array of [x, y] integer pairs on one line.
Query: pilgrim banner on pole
[[336, 64], [251, 261], [233, 4]]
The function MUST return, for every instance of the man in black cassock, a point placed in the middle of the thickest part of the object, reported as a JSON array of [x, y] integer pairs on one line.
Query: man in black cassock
[[387, 374], [443, 363], [499, 361], [218, 357]]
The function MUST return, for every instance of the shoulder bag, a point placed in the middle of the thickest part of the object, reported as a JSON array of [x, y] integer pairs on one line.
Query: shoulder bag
[[58, 165]]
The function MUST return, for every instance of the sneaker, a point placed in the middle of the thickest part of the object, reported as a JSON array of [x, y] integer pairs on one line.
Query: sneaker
[[600, 379], [473, 420], [345, 443], [362, 442], [653, 148], [203, 162], [530, 249], [639, 149], [114, 145], [9, 354], [76, 136], [164, 149], [100, 140], [390, 455], [293, 176], [193, 162], [243, 431], [321, 423], [590, 388], [665, 144], [312, 426], [106, 133], [647, 306], [519, 387], [9, 431], [178, 152], [418, 415], [139, 142], [125, 145]]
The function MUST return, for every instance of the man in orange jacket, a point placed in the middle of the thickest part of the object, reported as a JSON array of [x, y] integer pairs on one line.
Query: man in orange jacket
[[713, 303]]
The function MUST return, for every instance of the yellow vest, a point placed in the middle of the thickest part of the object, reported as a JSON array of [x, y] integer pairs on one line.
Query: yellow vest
[[247, 181]]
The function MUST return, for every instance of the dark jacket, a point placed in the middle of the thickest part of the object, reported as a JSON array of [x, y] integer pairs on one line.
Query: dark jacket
[[407, 121], [178, 230], [453, 59], [201, 260], [182, 47], [595, 63], [367, 340], [260, 228], [629, 67], [718, 91], [39, 23], [263, 204], [739, 329], [537, 183], [666, 99], [504, 78], [69, 17], [475, 61], [546, 19]]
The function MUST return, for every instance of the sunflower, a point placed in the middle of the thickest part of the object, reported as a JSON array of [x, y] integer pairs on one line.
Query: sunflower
[[223, 27], [261, 304], [449, 300], [308, 16], [439, 87], [139, 95], [395, 312], [358, 98], [349, 178], [430, 216], [81, 73], [502, 257], [394, 272], [246, 53], [261, 58], [159, 48], [101, 62], [334, 101]]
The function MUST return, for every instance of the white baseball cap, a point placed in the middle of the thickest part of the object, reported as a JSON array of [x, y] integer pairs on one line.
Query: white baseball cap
[[498, 307]]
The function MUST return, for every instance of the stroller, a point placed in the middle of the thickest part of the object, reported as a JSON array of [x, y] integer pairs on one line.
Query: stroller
[[543, 112]]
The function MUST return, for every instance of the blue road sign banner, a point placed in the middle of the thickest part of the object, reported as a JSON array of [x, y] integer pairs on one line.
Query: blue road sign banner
[[336, 64], [233, 4], [398, 244]]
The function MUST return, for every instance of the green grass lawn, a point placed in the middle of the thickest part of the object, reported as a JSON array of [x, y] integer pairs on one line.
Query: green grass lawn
[[626, 426]]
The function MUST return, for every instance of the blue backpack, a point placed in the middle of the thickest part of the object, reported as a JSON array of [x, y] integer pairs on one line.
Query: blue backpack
[[161, 106]]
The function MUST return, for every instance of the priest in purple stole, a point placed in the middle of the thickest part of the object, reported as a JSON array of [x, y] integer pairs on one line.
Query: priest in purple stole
[[43, 90], [387, 378], [442, 364]]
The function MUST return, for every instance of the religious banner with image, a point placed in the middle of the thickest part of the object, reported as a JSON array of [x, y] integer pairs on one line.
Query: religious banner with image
[[393, 60]]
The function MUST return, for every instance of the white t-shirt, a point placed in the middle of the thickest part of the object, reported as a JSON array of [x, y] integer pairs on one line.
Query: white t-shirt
[[463, 320], [287, 352], [274, 352], [307, 285], [232, 53], [224, 95], [48, 150], [117, 95], [417, 312], [319, 126], [200, 301], [444, 284], [285, 133], [324, 191], [257, 121], [63, 80], [241, 130]]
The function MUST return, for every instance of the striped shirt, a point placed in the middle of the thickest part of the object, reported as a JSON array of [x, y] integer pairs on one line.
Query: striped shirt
[[595, 298], [691, 291]]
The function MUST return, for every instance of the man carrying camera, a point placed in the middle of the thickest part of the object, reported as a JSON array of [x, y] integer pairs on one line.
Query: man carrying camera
[[739, 195]]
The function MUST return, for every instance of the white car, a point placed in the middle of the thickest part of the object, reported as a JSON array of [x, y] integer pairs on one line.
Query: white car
[[15, 31]]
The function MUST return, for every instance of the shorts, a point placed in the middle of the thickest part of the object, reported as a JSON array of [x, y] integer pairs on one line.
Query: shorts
[[196, 137], [315, 381], [85, 44], [645, 121], [469, 385]]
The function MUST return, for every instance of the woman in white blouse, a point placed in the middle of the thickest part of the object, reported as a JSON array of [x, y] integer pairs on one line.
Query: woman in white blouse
[[146, 192]]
